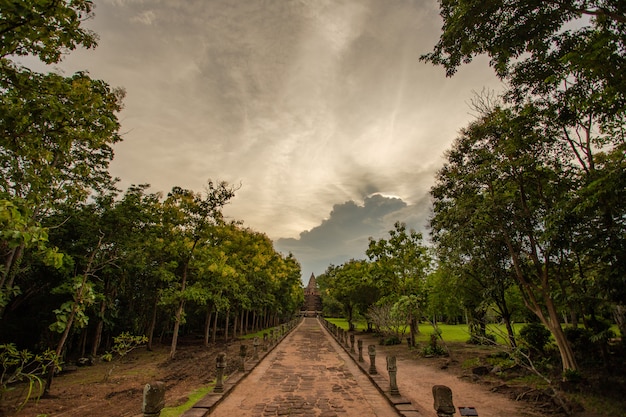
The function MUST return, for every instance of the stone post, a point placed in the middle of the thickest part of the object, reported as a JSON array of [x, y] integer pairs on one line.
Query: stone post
[[153, 399], [443, 401], [359, 344], [265, 342], [371, 350], [352, 343], [392, 369], [220, 366], [271, 337], [243, 351], [255, 343]]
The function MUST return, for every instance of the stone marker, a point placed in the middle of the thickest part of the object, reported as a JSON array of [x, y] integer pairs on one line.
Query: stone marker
[[264, 342], [352, 343], [371, 350], [255, 344], [359, 344], [392, 369], [443, 401], [220, 366], [153, 399], [468, 411]]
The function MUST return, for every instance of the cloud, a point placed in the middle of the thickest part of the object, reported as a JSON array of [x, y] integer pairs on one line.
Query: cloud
[[310, 105], [345, 234]]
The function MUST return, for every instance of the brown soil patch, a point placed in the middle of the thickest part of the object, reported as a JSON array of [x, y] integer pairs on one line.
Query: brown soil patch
[[88, 392]]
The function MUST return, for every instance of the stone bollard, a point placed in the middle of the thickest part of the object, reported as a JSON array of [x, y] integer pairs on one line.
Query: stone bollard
[[371, 350], [271, 337], [243, 351], [220, 366], [255, 343], [153, 399], [443, 401], [352, 343], [359, 344], [265, 342], [392, 369]]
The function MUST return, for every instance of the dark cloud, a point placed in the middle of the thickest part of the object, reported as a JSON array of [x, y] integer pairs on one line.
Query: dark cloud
[[304, 103], [345, 234]]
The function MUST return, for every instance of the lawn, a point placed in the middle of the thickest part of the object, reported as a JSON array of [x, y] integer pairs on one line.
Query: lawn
[[449, 332]]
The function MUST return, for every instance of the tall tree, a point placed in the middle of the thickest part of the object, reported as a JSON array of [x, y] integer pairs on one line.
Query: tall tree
[[189, 219], [401, 264], [507, 180], [57, 131]]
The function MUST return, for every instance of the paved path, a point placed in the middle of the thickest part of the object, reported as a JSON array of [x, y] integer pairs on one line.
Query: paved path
[[308, 374]]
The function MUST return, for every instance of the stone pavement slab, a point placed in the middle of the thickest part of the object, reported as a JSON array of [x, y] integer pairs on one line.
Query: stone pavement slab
[[307, 374]]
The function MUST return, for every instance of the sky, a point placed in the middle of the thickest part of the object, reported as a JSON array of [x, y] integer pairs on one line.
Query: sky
[[318, 110]]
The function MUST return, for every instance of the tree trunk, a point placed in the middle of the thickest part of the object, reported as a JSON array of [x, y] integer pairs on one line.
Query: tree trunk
[[226, 326], [235, 324], [509, 330], [10, 271], [179, 313], [620, 319], [207, 326], [214, 336], [552, 323], [83, 343], [177, 318], [153, 321], [99, 327]]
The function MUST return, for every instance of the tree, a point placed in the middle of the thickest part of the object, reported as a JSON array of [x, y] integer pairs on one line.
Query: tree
[[46, 29], [351, 285], [583, 34], [507, 180], [568, 58], [189, 220], [400, 266], [57, 131]]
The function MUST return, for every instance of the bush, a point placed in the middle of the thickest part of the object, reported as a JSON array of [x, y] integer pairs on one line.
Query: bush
[[535, 336], [23, 366], [391, 340], [486, 339], [579, 338], [433, 348]]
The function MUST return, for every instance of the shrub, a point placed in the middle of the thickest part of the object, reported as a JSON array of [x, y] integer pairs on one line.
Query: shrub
[[433, 347], [391, 340], [22, 366], [535, 336]]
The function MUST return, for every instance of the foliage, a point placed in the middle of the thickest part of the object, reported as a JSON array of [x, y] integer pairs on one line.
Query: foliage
[[46, 29], [557, 178], [23, 366], [386, 321], [123, 344], [535, 336], [350, 285], [433, 348]]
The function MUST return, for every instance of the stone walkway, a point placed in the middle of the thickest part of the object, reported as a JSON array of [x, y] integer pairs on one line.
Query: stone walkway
[[307, 374]]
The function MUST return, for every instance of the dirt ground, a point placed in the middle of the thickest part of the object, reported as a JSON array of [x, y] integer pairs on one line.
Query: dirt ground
[[88, 392]]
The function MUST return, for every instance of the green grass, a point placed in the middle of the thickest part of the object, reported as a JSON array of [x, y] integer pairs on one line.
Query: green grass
[[449, 332], [193, 398]]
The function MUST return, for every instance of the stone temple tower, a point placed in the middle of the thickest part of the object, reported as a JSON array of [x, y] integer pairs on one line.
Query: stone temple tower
[[312, 299]]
